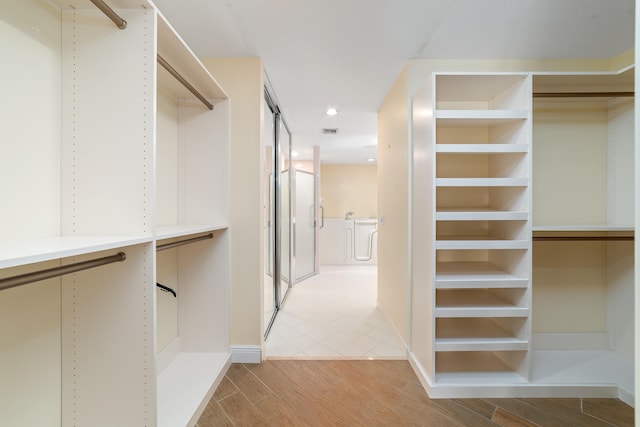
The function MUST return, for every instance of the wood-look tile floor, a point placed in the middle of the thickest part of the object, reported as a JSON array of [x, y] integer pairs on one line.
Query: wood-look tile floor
[[379, 393]]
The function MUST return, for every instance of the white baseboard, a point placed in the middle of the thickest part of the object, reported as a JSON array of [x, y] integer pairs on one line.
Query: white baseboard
[[246, 354]]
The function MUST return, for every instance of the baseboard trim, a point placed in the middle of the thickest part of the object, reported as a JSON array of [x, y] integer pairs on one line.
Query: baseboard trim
[[246, 354]]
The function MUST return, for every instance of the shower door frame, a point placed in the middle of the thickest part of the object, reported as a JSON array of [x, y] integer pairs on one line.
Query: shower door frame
[[275, 206]]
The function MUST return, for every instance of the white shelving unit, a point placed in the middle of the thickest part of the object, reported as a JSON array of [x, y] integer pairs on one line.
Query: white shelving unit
[[105, 152], [583, 237], [481, 219], [523, 222]]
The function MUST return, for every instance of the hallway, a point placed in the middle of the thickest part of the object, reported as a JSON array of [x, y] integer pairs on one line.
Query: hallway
[[333, 315]]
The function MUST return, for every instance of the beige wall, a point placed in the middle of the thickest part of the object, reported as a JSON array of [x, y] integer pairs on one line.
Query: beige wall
[[242, 79], [393, 205], [347, 188]]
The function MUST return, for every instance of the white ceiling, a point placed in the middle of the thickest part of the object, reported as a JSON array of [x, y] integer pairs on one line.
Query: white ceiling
[[347, 53]]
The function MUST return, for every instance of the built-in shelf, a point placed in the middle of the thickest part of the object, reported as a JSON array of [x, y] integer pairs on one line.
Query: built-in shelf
[[172, 231], [475, 368], [475, 303], [482, 148], [187, 384], [21, 252], [470, 275], [583, 232], [479, 117], [481, 344], [466, 242], [480, 214], [482, 182]]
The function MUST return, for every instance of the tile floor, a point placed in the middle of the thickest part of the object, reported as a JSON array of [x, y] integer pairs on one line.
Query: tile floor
[[333, 315]]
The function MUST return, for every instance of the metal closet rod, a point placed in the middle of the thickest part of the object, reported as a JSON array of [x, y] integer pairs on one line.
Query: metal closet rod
[[104, 8], [580, 238], [36, 276], [183, 242], [184, 82], [583, 94]]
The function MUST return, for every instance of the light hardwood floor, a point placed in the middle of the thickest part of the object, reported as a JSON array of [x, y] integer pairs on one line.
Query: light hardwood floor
[[328, 393]]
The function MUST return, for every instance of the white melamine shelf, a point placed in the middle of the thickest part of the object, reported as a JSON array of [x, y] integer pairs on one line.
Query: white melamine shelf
[[474, 368], [186, 385], [171, 231], [469, 275], [176, 52], [477, 329], [585, 232], [481, 344], [22, 252], [478, 378], [484, 311], [479, 118], [482, 148], [482, 182], [480, 214], [461, 243], [475, 303], [586, 227]]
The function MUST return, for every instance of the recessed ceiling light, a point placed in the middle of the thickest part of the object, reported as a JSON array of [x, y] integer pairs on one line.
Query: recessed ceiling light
[[371, 159], [294, 154], [331, 111]]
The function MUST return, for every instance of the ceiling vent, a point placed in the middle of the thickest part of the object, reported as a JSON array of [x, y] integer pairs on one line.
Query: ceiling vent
[[329, 131]]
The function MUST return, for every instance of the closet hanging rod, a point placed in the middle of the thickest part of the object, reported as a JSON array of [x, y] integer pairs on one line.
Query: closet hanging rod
[[104, 8], [183, 242], [583, 94], [184, 82], [36, 276], [581, 238]]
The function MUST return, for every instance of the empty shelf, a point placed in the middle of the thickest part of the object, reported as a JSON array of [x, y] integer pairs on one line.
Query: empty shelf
[[474, 368], [480, 214], [482, 182], [452, 275], [475, 303], [480, 243], [187, 384], [482, 148], [481, 344], [21, 252]]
